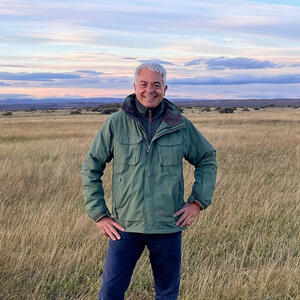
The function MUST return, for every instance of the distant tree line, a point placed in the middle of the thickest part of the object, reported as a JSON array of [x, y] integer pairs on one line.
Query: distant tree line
[[109, 108], [104, 109]]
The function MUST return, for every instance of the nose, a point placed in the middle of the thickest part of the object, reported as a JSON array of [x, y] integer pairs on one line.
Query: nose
[[149, 88]]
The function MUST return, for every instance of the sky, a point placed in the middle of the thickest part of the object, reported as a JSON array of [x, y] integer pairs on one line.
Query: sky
[[237, 49]]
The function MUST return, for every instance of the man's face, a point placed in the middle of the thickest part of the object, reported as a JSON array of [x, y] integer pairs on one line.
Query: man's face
[[149, 88]]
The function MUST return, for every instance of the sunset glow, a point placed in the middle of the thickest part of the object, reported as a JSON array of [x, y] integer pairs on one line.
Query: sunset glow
[[91, 48]]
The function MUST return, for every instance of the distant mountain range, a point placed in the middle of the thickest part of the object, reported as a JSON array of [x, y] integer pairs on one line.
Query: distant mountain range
[[25, 104]]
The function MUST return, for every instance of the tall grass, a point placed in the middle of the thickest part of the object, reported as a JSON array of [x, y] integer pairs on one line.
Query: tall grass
[[245, 246]]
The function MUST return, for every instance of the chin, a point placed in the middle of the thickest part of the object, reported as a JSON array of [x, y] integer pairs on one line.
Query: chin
[[149, 104], [152, 103]]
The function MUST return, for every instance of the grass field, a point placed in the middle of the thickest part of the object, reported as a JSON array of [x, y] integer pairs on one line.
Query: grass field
[[245, 246]]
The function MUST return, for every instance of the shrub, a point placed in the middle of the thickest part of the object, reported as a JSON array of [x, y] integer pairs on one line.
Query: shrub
[[226, 110], [206, 108], [108, 111], [31, 109], [75, 112], [7, 113], [106, 108]]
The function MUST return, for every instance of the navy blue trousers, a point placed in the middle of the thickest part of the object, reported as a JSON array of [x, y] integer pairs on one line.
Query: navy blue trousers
[[121, 258]]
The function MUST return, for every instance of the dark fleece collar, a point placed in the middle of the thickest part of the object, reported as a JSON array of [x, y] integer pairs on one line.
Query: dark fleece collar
[[144, 111]]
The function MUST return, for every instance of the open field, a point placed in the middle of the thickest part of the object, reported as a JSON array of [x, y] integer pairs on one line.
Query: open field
[[245, 246]]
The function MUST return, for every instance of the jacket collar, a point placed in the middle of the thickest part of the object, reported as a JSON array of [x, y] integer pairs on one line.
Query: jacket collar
[[144, 111], [171, 115]]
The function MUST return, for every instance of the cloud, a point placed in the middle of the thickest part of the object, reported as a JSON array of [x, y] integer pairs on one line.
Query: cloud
[[14, 96], [159, 61], [106, 82], [82, 78], [12, 66], [237, 63], [90, 72], [263, 91], [23, 76], [237, 79], [92, 22], [49, 26], [162, 62], [195, 62]]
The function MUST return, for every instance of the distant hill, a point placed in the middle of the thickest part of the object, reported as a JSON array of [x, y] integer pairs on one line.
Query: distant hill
[[25, 104], [241, 102]]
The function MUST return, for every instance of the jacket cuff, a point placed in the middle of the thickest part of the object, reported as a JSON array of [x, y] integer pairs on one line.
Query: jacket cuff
[[192, 199], [99, 216]]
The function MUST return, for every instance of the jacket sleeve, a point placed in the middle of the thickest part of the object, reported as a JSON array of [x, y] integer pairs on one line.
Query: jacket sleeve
[[201, 154], [100, 153]]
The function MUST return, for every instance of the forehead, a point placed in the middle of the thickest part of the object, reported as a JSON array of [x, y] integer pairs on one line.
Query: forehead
[[149, 76]]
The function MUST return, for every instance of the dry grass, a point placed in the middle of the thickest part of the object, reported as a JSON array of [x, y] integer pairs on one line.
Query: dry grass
[[245, 246]]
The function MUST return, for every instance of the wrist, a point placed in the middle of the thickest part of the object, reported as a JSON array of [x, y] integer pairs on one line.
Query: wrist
[[197, 204]]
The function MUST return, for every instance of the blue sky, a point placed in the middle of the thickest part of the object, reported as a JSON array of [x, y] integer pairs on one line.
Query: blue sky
[[211, 49]]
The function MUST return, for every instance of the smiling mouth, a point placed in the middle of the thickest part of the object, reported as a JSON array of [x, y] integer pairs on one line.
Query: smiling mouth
[[150, 98]]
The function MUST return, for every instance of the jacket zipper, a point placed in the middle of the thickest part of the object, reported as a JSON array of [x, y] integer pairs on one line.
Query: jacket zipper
[[155, 137], [144, 134]]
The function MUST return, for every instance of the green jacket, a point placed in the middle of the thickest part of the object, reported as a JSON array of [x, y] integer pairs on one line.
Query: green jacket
[[147, 180]]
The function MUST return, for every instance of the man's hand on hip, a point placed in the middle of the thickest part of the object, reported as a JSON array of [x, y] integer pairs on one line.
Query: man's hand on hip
[[109, 227], [188, 213]]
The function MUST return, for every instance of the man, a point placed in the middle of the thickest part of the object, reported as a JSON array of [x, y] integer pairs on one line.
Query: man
[[147, 140]]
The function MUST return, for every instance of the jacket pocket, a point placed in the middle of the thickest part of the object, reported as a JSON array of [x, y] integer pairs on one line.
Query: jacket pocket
[[127, 150], [170, 150]]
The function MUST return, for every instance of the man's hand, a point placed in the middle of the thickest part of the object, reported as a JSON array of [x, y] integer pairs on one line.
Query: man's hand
[[188, 214], [109, 227]]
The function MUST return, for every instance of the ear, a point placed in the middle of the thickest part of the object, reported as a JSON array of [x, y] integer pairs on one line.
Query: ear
[[134, 87], [165, 88]]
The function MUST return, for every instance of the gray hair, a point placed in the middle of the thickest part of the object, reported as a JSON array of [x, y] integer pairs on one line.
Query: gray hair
[[153, 66]]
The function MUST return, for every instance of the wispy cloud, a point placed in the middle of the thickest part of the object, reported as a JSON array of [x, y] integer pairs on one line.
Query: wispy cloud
[[89, 72], [83, 78], [160, 61], [237, 63], [36, 76], [14, 96], [237, 79], [163, 62], [105, 82], [93, 18], [11, 66]]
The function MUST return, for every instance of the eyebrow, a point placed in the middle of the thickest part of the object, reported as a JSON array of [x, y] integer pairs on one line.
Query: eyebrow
[[155, 82]]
